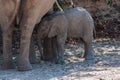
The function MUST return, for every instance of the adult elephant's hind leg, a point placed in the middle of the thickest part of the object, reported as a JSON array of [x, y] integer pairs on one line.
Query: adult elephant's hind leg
[[7, 47], [26, 31]]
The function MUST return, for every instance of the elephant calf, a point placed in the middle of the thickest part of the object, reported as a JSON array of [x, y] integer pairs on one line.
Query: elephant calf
[[75, 23]]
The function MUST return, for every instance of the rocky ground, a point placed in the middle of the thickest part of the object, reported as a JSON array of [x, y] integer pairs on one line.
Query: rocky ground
[[106, 67]]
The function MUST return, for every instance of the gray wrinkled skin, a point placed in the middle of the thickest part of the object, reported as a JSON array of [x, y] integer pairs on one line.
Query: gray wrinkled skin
[[75, 23]]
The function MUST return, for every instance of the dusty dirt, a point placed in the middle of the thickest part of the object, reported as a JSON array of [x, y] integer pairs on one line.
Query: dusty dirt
[[106, 67]]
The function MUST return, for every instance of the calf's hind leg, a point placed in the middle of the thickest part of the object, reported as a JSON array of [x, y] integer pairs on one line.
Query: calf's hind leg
[[88, 54]]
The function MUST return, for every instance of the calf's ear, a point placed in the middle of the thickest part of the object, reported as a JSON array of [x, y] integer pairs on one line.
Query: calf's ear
[[52, 31]]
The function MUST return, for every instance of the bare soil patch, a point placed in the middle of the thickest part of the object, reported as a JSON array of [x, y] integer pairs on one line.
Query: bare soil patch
[[106, 67]]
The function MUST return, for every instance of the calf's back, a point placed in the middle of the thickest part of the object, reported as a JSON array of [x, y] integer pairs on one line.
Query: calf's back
[[80, 22]]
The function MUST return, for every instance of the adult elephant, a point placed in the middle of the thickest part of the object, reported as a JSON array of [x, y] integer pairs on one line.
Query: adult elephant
[[31, 12]]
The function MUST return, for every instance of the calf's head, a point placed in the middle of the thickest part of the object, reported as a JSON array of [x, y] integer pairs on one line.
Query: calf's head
[[43, 28]]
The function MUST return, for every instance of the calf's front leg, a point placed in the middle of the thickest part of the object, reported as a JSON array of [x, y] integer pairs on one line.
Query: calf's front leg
[[60, 46]]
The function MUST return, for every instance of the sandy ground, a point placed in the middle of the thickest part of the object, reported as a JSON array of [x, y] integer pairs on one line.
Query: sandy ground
[[106, 67]]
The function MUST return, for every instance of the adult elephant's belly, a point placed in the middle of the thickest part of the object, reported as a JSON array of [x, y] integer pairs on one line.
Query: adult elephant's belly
[[44, 7], [36, 9]]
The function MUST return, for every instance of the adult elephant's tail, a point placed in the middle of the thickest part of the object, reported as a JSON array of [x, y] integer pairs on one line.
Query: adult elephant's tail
[[58, 5]]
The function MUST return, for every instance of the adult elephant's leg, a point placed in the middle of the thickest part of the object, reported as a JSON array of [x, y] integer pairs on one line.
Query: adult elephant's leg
[[33, 11], [7, 48], [32, 55], [27, 26]]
